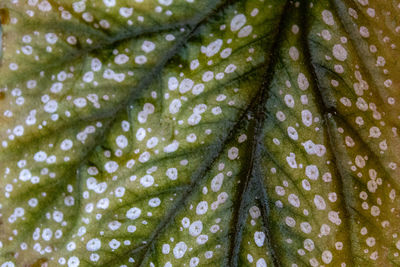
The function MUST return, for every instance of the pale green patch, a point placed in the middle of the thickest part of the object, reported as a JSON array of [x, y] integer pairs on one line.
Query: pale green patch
[[199, 133]]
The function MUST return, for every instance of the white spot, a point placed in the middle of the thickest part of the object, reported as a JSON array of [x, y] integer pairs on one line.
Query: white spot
[[66, 144], [226, 52], [259, 238], [121, 59], [327, 17], [125, 12], [233, 153], [291, 160], [294, 200], [175, 106], [333, 216], [302, 81], [213, 48], [374, 132], [165, 249], [51, 106], [306, 117], [140, 59], [185, 86], [133, 213], [111, 166], [198, 89], [147, 180], [261, 263], [172, 83], [73, 261], [245, 31], [294, 53], [194, 64], [202, 208], [51, 38], [230, 68], [148, 46], [80, 102], [238, 22], [103, 203], [312, 172], [79, 7], [56, 87], [327, 256], [171, 147], [319, 202], [109, 3], [140, 134], [196, 228], [152, 142], [114, 225], [96, 64], [172, 173], [40, 156], [154, 202], [180, 250], [93, 244], [339, 52], [25, 175], [121, 141], [216, 182], [207, 76], [292, 133]]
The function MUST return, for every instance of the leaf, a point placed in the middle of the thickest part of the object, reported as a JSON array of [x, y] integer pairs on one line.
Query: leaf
[[195, 133]]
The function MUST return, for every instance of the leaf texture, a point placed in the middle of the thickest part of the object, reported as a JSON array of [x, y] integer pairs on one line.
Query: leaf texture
[[199, 133]]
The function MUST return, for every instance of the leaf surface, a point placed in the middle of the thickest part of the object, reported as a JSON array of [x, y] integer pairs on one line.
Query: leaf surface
[[195, 133]]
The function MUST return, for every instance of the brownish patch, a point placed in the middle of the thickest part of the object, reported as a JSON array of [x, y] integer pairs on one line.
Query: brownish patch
[[4, 16], [42, 262]]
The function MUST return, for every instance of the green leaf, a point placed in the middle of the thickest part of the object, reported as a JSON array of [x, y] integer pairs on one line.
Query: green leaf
[[199, 133]]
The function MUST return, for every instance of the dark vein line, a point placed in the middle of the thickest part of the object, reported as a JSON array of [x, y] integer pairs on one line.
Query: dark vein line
[[299, 191], [325, 110], [374, 155], [239, 216], [356, 40], [197, 178], [251, 178], [215, 149], [348, 26]]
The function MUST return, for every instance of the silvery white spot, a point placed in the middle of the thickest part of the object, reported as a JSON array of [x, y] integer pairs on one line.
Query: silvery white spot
[[238, 22], [339, 52], [121, 59], [186, 85], [51, 38], [245, 31], [109, 3], [175, 106], [25, 175], [66, 144], [133, 213], [111, 166], [165, 2], [327, 17], [147, 180], [180, 250], [148, 46], [51, 106], [213, 48], [171, 147], [93, 244], [126, 12]]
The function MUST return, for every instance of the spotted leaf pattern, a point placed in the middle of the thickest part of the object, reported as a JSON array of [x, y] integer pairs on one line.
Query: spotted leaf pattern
[[199, 133]]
